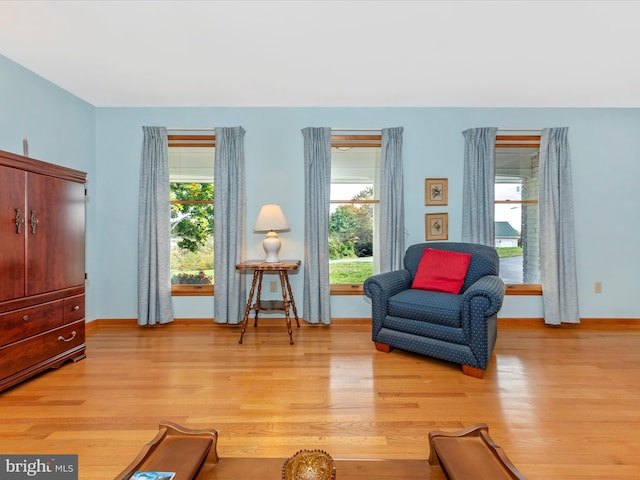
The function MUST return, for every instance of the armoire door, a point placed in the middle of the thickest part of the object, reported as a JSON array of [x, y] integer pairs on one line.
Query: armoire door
[[12, 233], [55, 234]]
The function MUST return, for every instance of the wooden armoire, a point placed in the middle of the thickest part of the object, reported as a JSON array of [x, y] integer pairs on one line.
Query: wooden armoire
[[42, 270]]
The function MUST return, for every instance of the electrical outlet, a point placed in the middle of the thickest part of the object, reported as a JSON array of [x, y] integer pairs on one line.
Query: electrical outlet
[[597, 287], [273, 286]]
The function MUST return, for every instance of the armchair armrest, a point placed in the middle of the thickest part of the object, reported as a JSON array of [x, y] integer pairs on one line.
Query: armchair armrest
[[379, 288], [491, 287], [385, 285]]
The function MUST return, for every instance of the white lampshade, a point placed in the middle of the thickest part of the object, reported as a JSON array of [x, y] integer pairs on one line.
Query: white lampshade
[[271, 220]]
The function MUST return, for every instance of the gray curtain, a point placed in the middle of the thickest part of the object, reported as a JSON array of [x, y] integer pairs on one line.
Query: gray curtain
[[478, 196], [557, 244], [154, 231], [391, 201], [229, 224], [317, 177]]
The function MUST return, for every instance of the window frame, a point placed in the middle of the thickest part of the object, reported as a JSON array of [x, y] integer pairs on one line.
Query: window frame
[[353, 141], [190, 140], [519, 141]]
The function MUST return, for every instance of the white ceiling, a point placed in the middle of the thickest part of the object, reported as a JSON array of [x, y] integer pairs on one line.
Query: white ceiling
[[331, 53]]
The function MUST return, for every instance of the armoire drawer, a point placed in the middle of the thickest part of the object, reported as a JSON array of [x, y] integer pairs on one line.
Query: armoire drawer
[[25, 322], [46, 346], [73, 308]]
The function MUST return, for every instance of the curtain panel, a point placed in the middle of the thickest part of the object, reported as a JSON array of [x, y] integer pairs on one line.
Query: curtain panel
[[557, 242], [392, 233], [317, 178], [229, 224], [478, 196], [154, 230]]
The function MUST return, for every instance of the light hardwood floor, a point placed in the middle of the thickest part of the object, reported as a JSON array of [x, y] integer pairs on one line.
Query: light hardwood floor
[[564, 403]]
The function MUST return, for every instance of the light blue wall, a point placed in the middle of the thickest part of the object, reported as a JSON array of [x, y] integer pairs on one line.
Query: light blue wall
[[606, 166], [59, 126], [106, 142], [60, 129]]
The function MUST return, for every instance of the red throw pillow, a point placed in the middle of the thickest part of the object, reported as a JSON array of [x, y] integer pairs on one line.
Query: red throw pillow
[[442, 270]]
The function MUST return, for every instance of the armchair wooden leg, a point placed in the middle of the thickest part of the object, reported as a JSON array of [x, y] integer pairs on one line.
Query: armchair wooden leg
[[382, 347], [472, 371]]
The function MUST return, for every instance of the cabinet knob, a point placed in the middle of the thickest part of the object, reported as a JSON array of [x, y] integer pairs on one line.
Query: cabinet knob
[[76, 307], [25, 318]]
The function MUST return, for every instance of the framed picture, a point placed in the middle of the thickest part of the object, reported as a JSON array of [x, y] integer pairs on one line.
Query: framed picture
[[436, 226], [436, 191]]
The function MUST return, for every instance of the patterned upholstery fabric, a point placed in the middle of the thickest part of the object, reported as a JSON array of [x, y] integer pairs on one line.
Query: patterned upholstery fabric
[[426, 306], [457, 328]]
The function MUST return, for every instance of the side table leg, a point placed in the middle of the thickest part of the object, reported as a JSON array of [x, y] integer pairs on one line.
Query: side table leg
[[248, 308], [255, 319], [291, 300], [284, 281]]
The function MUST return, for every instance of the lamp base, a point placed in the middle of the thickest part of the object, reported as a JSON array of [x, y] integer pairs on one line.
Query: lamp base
[[271, 245]]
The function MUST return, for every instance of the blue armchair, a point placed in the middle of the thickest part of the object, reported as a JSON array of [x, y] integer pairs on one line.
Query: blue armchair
[[458, 328]]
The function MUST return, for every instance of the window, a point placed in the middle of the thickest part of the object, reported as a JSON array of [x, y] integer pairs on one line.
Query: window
[[191, 160], [516, 212], [353, 235]]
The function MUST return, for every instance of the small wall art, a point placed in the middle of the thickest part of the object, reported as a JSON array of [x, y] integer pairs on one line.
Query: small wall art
[[436, 191], [436, 226]]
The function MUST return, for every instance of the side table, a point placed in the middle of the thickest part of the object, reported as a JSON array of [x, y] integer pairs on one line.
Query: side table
[[259, 267]]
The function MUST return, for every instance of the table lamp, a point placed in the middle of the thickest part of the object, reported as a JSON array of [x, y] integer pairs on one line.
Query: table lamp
[[271, 220]]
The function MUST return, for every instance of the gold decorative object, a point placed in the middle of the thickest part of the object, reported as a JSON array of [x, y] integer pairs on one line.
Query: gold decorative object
[[309, 465]]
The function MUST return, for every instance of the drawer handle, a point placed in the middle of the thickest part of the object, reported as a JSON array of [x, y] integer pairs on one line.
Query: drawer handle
[[76, 308], [25, 318], [62, 339]]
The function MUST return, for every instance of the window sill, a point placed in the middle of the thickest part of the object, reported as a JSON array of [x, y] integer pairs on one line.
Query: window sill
[[509, 289], [338, 290], [523, 289], [192, 290], [346, 289]]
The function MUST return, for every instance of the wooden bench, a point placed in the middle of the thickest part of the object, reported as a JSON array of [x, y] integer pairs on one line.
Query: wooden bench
[[175, 449], [471, 454], [468, 454]]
